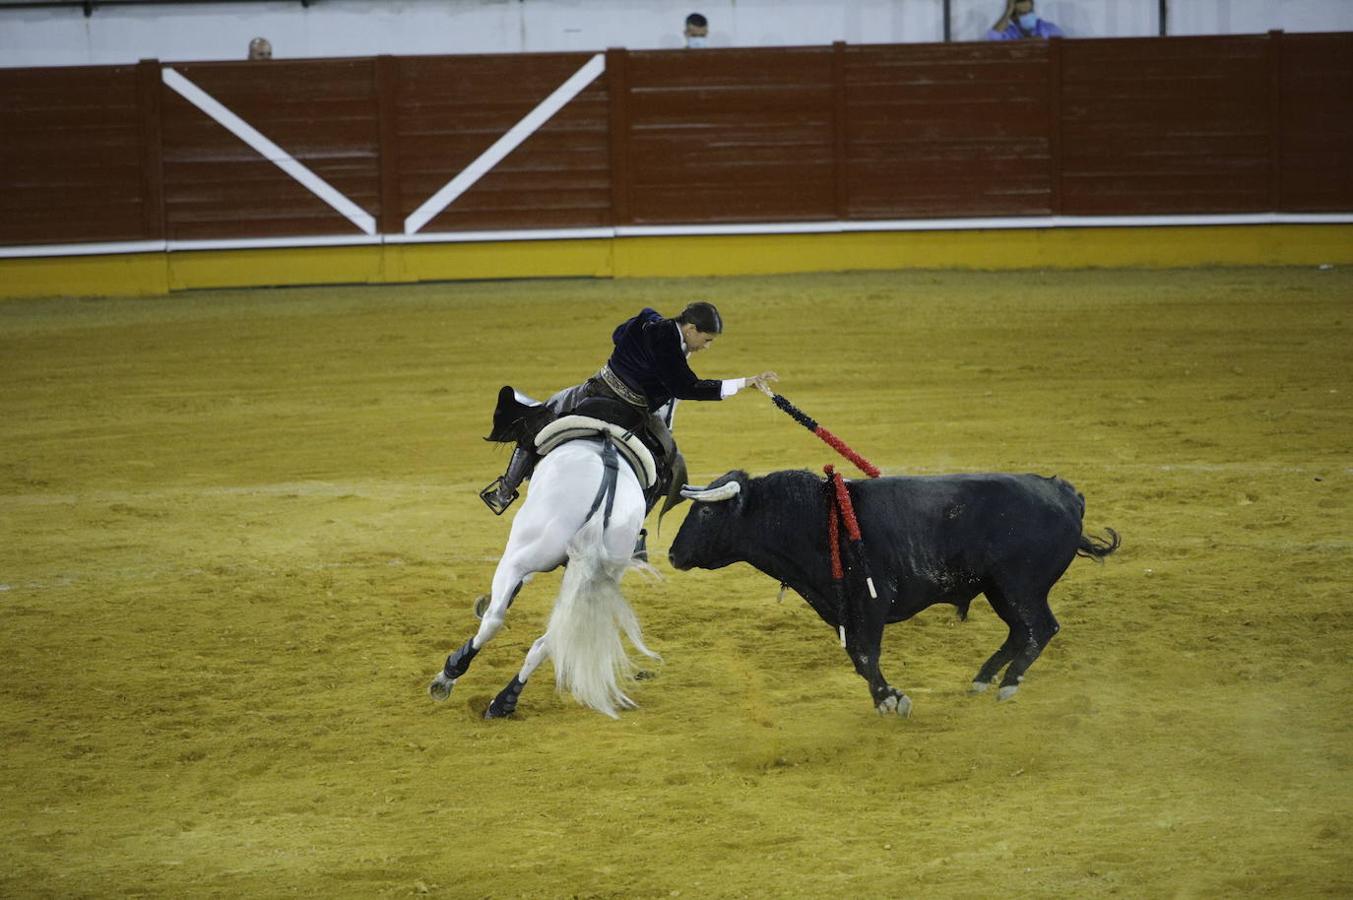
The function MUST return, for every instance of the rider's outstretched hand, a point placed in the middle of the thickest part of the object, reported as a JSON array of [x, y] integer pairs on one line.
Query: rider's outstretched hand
[[760, 381]]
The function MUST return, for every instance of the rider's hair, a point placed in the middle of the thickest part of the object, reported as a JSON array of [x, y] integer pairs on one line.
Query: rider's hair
[[703, 316]]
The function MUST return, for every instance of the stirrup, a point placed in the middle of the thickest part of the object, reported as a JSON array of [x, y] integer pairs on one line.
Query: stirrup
[[492, 497]]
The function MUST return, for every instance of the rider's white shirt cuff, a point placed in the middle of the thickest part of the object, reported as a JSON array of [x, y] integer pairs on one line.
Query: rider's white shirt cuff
[[730, 386]]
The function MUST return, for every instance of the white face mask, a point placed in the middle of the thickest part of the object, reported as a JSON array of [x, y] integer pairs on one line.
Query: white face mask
[[695, 43], [1028, 20]]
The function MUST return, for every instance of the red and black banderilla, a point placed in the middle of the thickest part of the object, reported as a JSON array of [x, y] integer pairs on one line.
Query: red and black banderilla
[[830, 439], [840, 509]]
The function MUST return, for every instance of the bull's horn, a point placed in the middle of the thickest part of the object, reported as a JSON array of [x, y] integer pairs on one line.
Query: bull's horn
[[711, 495]]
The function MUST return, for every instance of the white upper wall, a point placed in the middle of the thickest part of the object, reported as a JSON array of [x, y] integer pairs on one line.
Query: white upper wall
[[216, 31]]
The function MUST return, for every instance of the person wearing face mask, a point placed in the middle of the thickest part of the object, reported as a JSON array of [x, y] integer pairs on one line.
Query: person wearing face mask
[[1021, 22], [697, 31]]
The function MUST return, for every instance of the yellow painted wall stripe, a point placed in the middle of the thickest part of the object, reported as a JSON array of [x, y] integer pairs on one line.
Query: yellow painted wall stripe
[[141, 274]]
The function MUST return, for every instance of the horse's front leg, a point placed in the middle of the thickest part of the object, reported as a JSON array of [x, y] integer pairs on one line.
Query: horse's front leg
[[507, 581]]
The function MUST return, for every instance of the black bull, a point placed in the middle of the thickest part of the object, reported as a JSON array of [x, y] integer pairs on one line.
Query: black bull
[[928, 540]]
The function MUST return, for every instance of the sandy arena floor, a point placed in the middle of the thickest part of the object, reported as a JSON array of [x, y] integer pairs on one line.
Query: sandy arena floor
[[242, 534]]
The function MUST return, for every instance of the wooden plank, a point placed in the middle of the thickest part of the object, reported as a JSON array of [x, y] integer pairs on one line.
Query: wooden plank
[[764, 102], [453, 220], [390, 219], [739, 135], [71, 155], [1055, 82], [1275, 119], [744, 67], [455, 108], [1177, 125], [515, 200], [935, 94], [1315, 145], [321, 112], [513, 78], [840, 131], [937, 129], [976, 168], [621, 166], [735, 204], [148, 88]]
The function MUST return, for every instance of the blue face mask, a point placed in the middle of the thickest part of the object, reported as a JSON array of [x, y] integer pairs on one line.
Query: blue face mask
[[1028, 21]]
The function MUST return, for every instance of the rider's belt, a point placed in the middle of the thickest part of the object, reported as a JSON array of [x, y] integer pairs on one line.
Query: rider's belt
[[621, 390]]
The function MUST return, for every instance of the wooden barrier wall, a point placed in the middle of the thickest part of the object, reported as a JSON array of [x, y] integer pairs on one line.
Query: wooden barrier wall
[[780, 135]]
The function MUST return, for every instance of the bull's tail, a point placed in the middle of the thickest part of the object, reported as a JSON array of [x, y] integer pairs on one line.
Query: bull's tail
[[1094, 547], [587, 623]]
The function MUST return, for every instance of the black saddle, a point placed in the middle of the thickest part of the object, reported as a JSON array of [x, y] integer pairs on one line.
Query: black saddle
[[518, 422], [617, 412]]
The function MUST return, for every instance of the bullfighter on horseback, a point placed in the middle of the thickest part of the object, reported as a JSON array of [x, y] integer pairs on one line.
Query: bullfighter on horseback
[[637, 388]]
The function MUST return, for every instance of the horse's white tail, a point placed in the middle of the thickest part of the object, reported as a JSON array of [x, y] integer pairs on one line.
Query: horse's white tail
[[586, 624]]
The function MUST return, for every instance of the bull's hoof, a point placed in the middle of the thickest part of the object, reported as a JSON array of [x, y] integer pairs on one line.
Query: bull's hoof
[[1006, 692], [441, 687], [979, 687], [895, 702]]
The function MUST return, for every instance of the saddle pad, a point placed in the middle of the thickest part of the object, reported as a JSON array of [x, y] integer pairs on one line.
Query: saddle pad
[[570, 428]]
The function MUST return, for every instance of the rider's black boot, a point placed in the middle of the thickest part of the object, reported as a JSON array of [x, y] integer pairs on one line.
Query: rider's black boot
[[500, 494]]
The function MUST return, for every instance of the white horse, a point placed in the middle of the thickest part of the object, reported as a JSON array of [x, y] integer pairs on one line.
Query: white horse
[[584, 507]]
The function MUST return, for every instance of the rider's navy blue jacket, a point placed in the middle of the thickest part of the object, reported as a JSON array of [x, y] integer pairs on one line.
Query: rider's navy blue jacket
[[648, 357]]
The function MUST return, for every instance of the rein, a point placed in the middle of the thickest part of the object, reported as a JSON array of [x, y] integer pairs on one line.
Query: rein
[[840, 509]]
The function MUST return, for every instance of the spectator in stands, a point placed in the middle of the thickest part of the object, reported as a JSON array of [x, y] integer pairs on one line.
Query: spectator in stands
[[1020, 22], [260, 48], [697, 31]]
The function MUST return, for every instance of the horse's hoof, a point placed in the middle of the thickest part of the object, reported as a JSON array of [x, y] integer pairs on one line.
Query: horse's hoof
[[979, 687], [896, 702], [481, 605], [493, 712], [441, 687], [1006, 692]]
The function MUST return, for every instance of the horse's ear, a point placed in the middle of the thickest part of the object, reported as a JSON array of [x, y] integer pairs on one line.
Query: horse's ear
[[674, 487]]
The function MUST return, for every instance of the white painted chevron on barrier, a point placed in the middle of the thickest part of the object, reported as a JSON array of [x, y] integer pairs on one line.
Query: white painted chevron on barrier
[[269, 150], [510, 141]]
